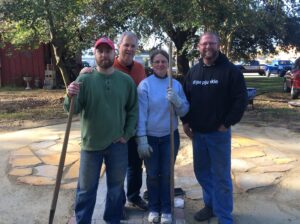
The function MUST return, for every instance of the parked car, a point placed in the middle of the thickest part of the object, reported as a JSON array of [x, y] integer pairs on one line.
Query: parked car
[[85, 64], [291, 80], [278, 67], [252, 67]]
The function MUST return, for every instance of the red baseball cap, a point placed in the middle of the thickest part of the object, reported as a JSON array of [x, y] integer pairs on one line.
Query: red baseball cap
[[105, 40]]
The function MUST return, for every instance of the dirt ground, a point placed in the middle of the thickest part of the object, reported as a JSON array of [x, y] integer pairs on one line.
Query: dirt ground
[[35, 108], [29, 109]]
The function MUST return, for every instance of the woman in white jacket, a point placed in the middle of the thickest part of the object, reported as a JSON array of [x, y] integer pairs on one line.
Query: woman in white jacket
[[153, 133]]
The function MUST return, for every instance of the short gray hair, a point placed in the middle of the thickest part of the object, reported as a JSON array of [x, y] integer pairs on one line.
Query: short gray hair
[[211, 33], [129, 34]]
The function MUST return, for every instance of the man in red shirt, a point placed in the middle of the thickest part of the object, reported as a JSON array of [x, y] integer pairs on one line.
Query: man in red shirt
[[124, 62]]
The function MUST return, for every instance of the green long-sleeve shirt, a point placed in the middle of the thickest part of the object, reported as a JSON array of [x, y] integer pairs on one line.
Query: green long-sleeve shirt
[[108, 108]]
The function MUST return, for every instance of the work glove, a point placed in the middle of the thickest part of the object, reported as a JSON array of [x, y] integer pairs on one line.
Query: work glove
[[144, 149], [73, 89], [173, 97]]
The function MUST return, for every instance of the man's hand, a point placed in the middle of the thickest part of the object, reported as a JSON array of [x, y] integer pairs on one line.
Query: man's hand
[[144, 149], [121, 140], [73, 89], [86, 70], [222, 128], [187, 130], [173, 97]]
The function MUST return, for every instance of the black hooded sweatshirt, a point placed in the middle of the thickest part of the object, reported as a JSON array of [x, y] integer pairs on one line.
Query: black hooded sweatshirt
[[217, 95]]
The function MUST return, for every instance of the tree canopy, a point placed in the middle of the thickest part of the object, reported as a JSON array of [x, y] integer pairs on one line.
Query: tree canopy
[[246, 27]]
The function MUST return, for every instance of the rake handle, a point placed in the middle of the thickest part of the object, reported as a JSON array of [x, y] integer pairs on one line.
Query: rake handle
[[61, 162]]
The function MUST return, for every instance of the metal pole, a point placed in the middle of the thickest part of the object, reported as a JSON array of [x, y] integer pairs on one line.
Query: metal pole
[[61, 162], [171, 138]]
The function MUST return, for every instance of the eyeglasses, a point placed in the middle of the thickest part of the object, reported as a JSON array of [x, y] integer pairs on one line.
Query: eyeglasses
[[157, 62], [208, 43]]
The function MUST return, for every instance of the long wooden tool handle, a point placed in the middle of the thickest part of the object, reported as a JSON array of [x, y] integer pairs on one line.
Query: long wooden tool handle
[[61, 162], [171, 137]]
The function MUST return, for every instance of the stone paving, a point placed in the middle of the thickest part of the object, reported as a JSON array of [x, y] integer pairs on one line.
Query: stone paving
[[254, 165]]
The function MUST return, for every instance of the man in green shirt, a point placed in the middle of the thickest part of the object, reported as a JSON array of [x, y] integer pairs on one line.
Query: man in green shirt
[[107, 102]]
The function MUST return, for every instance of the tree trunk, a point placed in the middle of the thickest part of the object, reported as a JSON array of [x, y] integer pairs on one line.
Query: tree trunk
[[179, 38], [182, 64], [60, 63], [57, 45]]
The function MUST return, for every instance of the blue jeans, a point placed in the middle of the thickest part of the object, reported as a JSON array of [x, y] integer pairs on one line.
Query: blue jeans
[[134, 172], [212, 165], [158, 172], [115, 158]]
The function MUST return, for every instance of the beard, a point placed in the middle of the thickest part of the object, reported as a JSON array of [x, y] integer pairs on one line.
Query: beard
[[210, 54], [105, 63]]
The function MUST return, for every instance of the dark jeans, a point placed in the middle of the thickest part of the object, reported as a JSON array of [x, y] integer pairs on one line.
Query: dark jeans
[[115, 158], [212, 165], [134, 172], [158, 172]]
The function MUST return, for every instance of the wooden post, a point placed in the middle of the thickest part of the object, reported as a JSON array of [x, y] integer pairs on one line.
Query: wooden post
[[171, 138]]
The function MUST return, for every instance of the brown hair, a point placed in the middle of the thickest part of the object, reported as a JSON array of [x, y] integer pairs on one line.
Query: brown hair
[[158, 51]]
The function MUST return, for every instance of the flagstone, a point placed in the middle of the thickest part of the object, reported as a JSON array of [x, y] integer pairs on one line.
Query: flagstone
[[50, 138], [238, 141], [76, 134], [240, 165], [292, 183], [46, 171], [247, 181], [74, 146], [44, 152], [73, 172], [25, 161], [262, 161], [75, 141], [248, 152], [273, 168], [284, 160], [22, 152], [42, 144], [68, 186], [273, 152], [54, 159], [20, 172], [34, 180], [56, 147]]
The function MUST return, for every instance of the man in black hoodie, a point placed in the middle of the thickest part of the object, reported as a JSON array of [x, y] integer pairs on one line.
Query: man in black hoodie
[[217, 94]]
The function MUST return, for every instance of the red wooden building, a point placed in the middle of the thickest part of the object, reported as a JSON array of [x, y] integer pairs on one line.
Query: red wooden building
[[15, 64]]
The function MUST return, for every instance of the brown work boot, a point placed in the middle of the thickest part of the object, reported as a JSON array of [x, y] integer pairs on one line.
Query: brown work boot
[[204, 214]]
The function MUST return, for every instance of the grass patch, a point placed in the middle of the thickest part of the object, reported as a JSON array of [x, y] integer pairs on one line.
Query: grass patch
[[11, 88], [264, 84], [271, 104]]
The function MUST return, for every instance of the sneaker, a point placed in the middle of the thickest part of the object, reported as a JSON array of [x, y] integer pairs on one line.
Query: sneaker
[[140, 203], [166, 218], [204, 214], [153, 217]]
